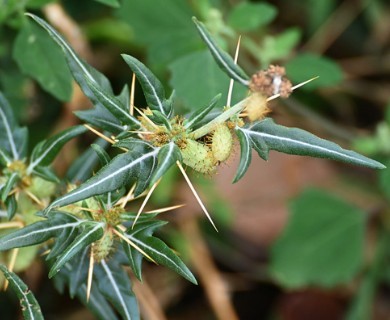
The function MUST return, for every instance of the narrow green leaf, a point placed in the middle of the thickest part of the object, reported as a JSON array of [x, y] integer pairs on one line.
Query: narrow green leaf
[[78, 276], [101, 118], [157, 249], [39, 57], [167, 157], [92, 232], [63, 240], [97, 303], [199, 114], [13, 139], [45, 152], [101, 153], [11, 206], [30, 307], [248, 16], [322, 244], [300, 142], [115, 285], [94, 86], [153, 89], [124, 169], [223, 59], [38, 232], [5, 159], [46, 173], [245, 156], [9, 184], [83, 167]]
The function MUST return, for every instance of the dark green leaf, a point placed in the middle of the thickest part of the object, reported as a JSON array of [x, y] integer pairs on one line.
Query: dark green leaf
[[199, 114], [167, 157], [101, 153], [322, 244], [115, 285], [153, 89], [94, 85], [248, 16], [124, 169], [30, 307], [101, 118], [78, 276], [224, 60], [38, 56], [83, 167], [246, 154], [306, 66], [39, 232], [12, 179], [141, 235], [11, 206], [13, 139], [46, 173], [92, 231], [45, 152], [300, 142]]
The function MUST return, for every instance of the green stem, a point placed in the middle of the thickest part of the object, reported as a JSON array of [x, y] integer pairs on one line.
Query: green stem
[[212, 125]]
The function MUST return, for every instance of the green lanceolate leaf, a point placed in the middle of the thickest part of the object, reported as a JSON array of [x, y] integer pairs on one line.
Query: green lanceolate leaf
[[115, 285], [245, 156], [83, 167], [141, 235], [11, 205], [300, 142], [153, 89], [30, 307], [224, 60], [13, 139], [101, 118], [39, 232], [199, 114], [93, 84], [78, 276], [111, 3], [102, 154], [124, 169], [167, 157], [39, 57], [12, 179], [5, 159], [92, 231], [46, 173], [45, 152]]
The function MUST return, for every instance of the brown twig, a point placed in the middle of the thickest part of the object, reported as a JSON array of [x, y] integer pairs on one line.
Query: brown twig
[[211, 279], [151, 308]]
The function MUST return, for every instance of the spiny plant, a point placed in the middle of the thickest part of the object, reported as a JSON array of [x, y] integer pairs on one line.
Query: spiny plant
[[82, 224]]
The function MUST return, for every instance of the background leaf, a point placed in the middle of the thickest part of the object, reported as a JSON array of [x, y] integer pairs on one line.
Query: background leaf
[[38, 56], [307, 66], [29, 305], [248, 16], [321, 245], [206, 77]]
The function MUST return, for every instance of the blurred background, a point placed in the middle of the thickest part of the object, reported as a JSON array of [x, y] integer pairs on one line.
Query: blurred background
[[299, 238]]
